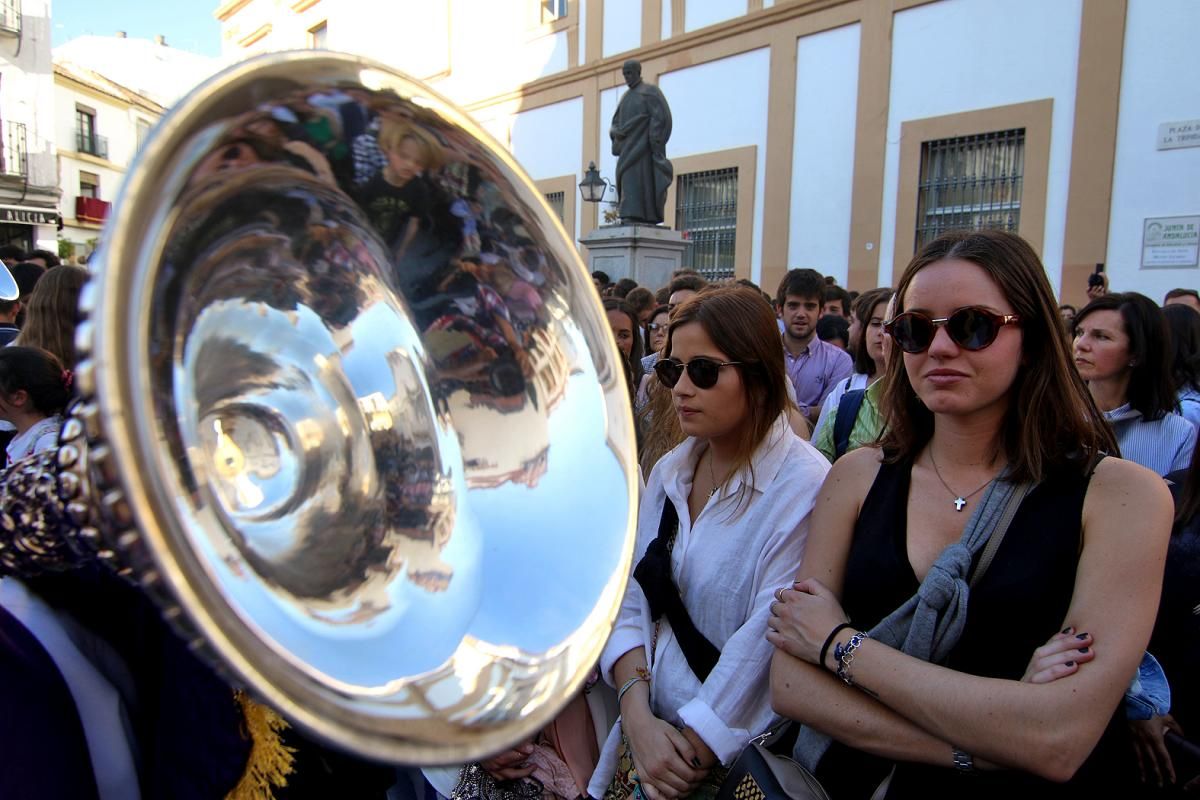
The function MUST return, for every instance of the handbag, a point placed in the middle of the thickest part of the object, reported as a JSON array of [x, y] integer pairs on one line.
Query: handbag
[[759, 774]]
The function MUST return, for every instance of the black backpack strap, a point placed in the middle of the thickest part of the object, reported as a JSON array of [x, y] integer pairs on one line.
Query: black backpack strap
[[843, 423], [653, 573]]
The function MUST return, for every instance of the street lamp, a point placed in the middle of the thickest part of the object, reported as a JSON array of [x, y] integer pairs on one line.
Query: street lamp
[[593, 187]]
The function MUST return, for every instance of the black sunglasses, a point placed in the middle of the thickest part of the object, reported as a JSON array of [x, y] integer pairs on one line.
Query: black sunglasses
[[971, 328], [702, 372]]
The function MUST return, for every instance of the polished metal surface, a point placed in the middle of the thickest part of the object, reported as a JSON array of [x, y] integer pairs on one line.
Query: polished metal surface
[[357, 412], [8, 287]]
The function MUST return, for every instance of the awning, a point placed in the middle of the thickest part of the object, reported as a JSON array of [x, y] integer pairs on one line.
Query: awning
[[28, 215]]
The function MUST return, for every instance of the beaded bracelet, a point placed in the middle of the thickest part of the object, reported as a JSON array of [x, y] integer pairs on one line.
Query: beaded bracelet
[[845, 656]]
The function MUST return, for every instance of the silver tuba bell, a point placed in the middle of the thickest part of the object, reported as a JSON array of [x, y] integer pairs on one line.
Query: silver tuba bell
[[352, 412]]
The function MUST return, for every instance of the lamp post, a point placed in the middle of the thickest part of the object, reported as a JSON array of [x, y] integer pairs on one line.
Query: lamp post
[[592, 188]]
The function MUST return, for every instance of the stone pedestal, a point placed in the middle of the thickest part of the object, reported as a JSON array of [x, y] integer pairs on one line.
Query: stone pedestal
[[646, 253]]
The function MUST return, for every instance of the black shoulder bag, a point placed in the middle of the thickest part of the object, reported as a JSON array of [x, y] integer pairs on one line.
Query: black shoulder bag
[[653, 573]]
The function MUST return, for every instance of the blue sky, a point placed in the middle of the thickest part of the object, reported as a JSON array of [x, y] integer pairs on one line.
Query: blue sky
[[187, 24]]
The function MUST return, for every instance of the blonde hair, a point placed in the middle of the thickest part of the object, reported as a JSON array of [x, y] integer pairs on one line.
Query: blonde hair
[[393, 131]]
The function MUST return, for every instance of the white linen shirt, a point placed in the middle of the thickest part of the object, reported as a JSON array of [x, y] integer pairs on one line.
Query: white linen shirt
[[727, 567]]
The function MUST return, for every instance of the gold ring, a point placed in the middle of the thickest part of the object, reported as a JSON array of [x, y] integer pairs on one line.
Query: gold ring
[[779, 594]]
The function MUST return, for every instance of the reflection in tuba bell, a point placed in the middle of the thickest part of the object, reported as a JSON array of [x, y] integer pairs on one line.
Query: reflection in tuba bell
[[350, 412]]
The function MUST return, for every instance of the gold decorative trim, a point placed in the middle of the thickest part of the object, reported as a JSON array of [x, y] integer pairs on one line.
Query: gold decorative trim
[[870, 145], [228, 9], [90, 159], [651, 21], [1093, 145], [777, 180], [589, 214], [257, 35], [734, 36], [595, 32]]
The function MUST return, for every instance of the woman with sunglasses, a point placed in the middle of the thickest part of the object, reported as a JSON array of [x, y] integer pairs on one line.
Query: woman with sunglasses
[[722, 525], [885, 652], [1121, 351], [655, 337]]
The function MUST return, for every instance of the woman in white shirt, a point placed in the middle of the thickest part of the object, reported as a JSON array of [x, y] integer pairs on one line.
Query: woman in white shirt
[[722, 525]]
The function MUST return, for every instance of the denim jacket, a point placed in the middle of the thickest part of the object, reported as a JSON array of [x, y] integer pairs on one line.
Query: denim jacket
[[1149, 695]]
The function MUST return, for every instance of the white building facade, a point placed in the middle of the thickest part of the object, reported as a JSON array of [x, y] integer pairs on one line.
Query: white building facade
[[28, 183], [833, 134], [100, 127]]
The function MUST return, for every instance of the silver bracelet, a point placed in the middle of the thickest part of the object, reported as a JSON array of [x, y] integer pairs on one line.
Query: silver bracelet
[[627, 686], [845, 656], [963, 762]]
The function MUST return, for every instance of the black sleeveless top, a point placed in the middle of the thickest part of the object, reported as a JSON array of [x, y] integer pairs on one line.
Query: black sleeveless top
[[1019, 604]]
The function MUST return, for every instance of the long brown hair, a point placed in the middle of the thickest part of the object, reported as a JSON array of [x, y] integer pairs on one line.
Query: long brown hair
[[51, 315], [863, 307], [659, 425], [1051, 417], [742, 326]]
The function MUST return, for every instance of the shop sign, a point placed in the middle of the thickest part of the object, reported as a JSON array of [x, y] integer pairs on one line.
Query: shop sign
[[23, 215]]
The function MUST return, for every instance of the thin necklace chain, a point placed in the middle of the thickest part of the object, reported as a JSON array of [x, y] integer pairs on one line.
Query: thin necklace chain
[[960, 501], [712, 475]]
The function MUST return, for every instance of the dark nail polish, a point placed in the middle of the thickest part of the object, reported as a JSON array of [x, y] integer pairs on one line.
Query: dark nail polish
[[1070, 663], [1082, 636], [1083, 649], [1067, 629]]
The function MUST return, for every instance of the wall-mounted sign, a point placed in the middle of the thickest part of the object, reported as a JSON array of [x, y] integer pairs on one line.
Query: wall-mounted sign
[[23, 215], [1172, 135], [1171, 242]]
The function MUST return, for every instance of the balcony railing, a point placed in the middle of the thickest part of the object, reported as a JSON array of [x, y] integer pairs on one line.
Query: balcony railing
[[14, 158], [90, 209], [10, 17], [90, 143]]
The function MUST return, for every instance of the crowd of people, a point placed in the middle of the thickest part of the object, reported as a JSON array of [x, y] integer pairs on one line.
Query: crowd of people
[[911, 659], [937, 540]]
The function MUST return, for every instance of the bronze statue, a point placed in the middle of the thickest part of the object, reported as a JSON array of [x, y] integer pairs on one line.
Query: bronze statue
[[640, 130]]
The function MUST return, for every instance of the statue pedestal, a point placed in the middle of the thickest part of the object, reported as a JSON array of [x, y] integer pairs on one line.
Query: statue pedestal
[[646, 253]]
